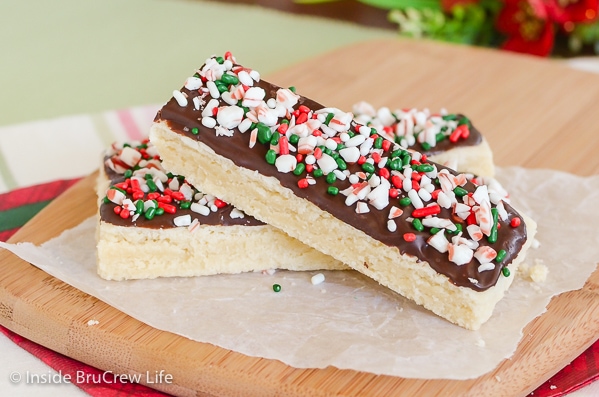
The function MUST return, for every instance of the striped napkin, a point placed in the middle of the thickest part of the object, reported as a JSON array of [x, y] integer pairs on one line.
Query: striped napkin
[[31, 176]]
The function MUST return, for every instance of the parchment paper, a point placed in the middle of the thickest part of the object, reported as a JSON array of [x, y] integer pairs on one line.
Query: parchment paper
[[349, 321]]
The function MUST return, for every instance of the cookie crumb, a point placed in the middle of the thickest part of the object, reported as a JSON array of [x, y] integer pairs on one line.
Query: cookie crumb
[[91, 323]]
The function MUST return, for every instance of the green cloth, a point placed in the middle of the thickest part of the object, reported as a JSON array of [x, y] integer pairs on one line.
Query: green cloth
[[85, 56]]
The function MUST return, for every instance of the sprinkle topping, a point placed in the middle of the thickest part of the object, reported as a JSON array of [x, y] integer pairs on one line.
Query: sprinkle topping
[[337, 160]]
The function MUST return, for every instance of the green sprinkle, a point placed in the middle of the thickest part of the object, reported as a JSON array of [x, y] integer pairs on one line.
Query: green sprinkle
[[264, 133], [275, 139], [449, 117], [331, 178], [221, 86], [340, 146], [373, 131], [276, 287], [106, 200], [159, 211], [294, 139], [170, 175], [425, 168], [284, 121], [417, 223], [333, 190], [406, 159], [440, 136], [292, 89], [367, 167], [505, 271], [150, 213], [329, 118], [139, 206], [128, 174], [328, 151], [341, 163], [463, 120], [148, 177], [395, 164], [397, 153], [220, 60], [501, 255], [318, 173], [151, 185], [426, 146], [185, 205], [435, 230], [378, 143], [458, 229], [404, 202], [229, 79], [299, 169], [460, 191], [493, 235], [195, 131], [271, 156]]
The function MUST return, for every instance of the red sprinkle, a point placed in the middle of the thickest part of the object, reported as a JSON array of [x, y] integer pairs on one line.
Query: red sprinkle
[[178, 196], [302, 183], [168, 192], [361, 160], [409, 237], [384, 173], [393, 193], [386, 145], [309, 168], [415, 185], [164, 199], [376, 157], [318, 153], [117, 210], [458, 133], [426, 211], [171, 209], [283, 145], [135, 184], [435, 194], [471, 220], [416, 176], [122, 185], [303, 109], [283, 128], [124, 214], [138, 195], [317, 133], [396, 181], [214, 111], [302, 118], [388, 129], [299, 157], [515, 222], [153, 196], [423, 158], [219, 203]]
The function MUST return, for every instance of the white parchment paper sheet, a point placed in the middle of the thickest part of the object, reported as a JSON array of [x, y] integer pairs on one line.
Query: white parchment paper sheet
[[349, 321]]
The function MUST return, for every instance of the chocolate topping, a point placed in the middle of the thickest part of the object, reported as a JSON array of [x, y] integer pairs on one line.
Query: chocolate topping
[[236, 148]]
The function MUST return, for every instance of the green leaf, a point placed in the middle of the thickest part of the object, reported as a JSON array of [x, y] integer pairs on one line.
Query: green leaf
[[401, 4]]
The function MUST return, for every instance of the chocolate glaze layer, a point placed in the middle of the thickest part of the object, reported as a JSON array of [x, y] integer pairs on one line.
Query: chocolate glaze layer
[[221, 217], [182, 119]]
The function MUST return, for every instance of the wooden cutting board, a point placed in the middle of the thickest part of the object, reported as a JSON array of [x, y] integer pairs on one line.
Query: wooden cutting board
[[534, 112]]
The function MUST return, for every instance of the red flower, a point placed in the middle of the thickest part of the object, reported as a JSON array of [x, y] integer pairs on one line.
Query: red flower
[[563, 11], [527, 31]]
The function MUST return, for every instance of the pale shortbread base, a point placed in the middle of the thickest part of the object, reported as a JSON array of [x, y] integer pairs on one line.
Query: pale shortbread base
[[125, 253], [258, 195], [477, 160]]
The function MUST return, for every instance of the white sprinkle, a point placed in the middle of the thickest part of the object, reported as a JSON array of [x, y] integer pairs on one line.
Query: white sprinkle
[[317, 279], [91, 323], [180, 98], [340, 175], [424, 195], [357, 140], [350, 154], [213, 208], [353, 178], [391, 225], [183, 220], [413, 195], [327, 163], [237, 214], [271, 103], [208, 122], [485, 267], [245, 79], [331, 144], [193, 83], [394, 212], [286, 163], [214, 92], [200, 209], [310, 159], [255, 75], [244, 125], [362, 207]]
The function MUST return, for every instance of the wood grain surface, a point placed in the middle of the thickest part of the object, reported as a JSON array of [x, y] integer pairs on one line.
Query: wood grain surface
[[534, 112]]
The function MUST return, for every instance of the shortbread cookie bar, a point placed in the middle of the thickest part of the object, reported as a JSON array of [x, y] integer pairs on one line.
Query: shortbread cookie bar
[[422, 230], [155, 224], [446, 138]]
